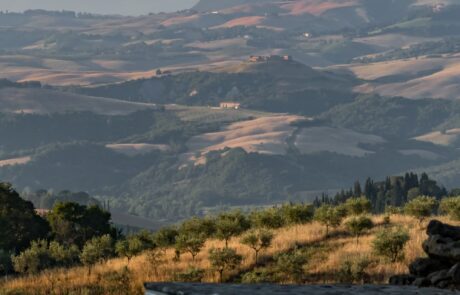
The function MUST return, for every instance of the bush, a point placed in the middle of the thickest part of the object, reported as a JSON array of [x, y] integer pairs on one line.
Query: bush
[[269, 218], [258, 276], [358, 225], [451, 207], [199, 226], [34, 259], [191, 275], [224, 259], [297, 213], [165, 237], [354, 270], [96, 250], [390, 243], [421, 207], [290, 266], [118, 282], [358, 206]]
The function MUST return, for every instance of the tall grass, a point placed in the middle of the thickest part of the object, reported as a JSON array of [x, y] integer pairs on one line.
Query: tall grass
[[323, 262]]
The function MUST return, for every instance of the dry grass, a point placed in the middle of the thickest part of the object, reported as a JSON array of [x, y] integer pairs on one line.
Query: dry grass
[[321, 266]]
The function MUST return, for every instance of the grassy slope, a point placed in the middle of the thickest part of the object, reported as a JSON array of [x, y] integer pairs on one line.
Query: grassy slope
[[324, 260]]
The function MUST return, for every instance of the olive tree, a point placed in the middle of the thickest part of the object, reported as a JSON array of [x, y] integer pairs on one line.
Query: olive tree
[[190, 243], [358, 225], [421, 207], [390, 243], [358, 206], [257, 241], [224, 259], [230, 225], [329, 216], [96, 250]]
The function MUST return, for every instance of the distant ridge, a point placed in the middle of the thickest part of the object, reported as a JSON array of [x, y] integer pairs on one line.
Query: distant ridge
[[209, 5]]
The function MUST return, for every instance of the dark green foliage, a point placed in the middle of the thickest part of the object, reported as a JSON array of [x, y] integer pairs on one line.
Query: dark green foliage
[[191, 275], [19, 223], [190, 243], [165, 237], [96, 250], [43, 255], [369, 114], [354, 270], [117, 282], [451, 207], [297, 213], [390, 243], [224, 259], [230, 225], [358, 206], [205, 227], [269, 218], [289, 266], [72, 223], [260, 87], [421, 207], [258, 276], [131, 246]]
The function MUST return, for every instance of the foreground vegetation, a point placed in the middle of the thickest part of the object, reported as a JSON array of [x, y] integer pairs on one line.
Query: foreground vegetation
[[76, 251]]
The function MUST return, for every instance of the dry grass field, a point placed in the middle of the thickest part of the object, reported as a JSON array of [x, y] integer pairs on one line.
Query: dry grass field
[[322, 266]]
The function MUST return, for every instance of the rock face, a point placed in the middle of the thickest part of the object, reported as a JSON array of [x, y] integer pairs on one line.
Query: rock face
[[442, 267], [224, 289]]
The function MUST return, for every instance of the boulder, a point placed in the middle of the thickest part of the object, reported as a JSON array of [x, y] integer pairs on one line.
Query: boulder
[[454, 274], [437, 228], [402, 280], [422, 267], [439, 276], [442, 248], [422, 282]]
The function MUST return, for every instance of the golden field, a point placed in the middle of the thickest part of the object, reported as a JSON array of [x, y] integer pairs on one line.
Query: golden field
[[320, 269]]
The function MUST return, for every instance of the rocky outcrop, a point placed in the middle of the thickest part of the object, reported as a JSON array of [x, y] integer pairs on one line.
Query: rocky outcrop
[[224, 289], [442, 267]]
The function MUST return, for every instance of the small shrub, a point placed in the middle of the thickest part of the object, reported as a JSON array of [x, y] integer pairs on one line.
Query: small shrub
[[191, 275], [390, 243], [358, 206], [117, 282], [354, 270], [297, 213], [269, 218], [289, 266], [421, 207], [451, 207], [258, 276]]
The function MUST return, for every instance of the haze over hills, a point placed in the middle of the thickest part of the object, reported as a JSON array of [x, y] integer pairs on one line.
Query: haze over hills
[[129, 108], [135, 7]]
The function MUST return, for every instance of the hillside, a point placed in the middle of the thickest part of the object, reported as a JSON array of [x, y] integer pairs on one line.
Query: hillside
[[325, 258]]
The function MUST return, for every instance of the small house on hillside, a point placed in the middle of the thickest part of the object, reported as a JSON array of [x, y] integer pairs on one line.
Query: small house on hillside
[[230, 105]]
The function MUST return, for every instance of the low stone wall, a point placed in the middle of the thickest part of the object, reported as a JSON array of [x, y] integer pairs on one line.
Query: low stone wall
[[223, 289]]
